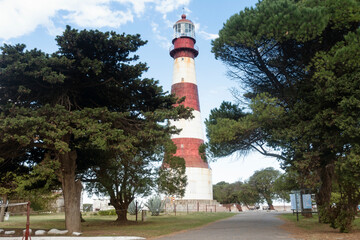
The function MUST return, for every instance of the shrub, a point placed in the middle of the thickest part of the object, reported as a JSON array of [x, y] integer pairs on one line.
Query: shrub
[[132, 207], [107, 212], [87, 207], [155, 205]]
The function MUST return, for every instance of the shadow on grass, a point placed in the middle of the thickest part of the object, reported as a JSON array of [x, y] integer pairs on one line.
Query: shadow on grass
[[107, 226]]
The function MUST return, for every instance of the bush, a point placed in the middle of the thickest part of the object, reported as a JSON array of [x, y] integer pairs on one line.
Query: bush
[[155, 205], [87, 207], [107, 212], [132, 207]]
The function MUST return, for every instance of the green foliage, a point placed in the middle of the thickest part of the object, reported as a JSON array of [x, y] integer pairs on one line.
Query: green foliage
[[231, 130], [225, 193], [87, 107], [299, 63], [87, 207], [284, 184], [172, 179], [222, 129], [110, 212], [264, 183], [248, 195], [155, 205]]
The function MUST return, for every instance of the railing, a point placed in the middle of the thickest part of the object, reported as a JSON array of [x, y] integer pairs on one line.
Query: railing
[[182, 34], [195, 47]]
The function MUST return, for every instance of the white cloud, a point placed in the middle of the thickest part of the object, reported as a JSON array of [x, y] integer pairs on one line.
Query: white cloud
[[208, 36], [203, 34], [138, 6], [98, 16], [164, 41], [21, 17], [166, 6]]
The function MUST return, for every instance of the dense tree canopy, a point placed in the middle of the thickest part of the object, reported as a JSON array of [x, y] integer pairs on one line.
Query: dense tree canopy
[[264, 183], [88, 95], [298, 63], [226, 193]]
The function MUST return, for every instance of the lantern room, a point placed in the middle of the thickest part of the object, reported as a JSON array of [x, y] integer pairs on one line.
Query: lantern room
[[184, 39], [184, 28]]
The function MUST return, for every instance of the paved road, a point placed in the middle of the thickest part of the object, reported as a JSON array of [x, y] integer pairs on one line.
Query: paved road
[[244, 226]]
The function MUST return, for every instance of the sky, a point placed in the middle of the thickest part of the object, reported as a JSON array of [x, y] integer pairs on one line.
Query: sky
[[37, 22]]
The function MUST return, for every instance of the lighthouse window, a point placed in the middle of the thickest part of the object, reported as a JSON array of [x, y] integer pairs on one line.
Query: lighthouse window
[[187, 28]]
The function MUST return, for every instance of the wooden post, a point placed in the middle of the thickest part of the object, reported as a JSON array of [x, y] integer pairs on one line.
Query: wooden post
[[3, 207], [27, 230], [215, 208], [187, 208], [175, 209], [206, 208], [198, 206], [143, 214], [136, 210]]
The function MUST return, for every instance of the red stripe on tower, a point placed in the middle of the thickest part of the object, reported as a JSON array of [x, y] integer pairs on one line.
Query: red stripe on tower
[[190, 91], [188, 148]]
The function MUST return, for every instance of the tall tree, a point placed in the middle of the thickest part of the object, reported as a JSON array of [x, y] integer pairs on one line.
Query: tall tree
[[264, 181], [290, 57], [248, 195], [135, 173], [87, 95]]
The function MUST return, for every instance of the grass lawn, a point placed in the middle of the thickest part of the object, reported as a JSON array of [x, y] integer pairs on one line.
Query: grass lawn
[[310, 228], [105, 225]]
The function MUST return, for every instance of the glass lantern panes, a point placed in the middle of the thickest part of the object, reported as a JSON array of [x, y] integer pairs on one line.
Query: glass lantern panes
[[184, 29]]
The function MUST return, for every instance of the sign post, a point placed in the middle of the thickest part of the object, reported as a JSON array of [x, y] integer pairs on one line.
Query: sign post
[[295, 202]]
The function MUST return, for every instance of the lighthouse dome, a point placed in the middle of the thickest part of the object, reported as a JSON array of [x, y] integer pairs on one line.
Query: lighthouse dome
[[184, 28]]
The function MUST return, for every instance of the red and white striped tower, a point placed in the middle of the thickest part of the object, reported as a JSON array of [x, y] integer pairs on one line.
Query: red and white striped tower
[[191, 137]]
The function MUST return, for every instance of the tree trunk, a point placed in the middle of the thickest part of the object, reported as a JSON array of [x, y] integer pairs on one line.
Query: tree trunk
[[121, 215], [270, 204], [324, 194], [71, 191], [120, 208], [307, 213], [2, 209]]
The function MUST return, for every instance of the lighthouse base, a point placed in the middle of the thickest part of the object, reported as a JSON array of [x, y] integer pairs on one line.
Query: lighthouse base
[[199, 185]]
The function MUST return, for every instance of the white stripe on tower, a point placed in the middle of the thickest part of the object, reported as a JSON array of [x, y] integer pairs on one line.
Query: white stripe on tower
[[184, 70], [191, 128]]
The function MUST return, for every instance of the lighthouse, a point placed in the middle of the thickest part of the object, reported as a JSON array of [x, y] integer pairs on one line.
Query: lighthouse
[[188, 141]]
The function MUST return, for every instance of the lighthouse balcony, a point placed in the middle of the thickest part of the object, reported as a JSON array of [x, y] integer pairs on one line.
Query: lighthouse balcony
[[185, 46], [184, 50]]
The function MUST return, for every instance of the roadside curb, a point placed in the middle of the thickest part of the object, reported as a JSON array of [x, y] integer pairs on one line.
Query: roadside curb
[[76, 238]]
